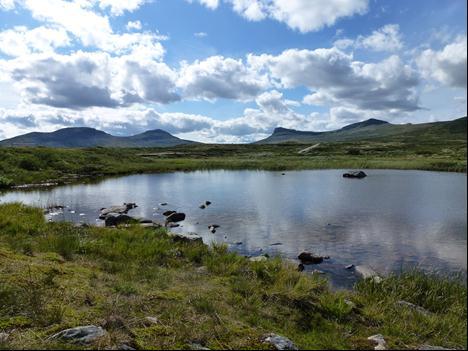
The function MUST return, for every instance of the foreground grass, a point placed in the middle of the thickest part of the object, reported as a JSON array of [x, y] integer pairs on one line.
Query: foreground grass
[[35, 165], [54, 276]]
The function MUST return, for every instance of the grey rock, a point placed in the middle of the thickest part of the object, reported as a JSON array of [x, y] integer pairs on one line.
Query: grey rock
[[350, 266], [279, 342], [379, 340], [350, 303], [430, 347], [152, 320], [198, 347], [82, 335], [168, 213], [117, 209], [144, 220], [258, 258], [366, 272], [188, 237], [413, 307], [4, 337], [355, 174]]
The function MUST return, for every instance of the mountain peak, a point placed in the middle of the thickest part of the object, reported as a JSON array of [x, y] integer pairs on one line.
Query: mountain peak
[[366, 123]]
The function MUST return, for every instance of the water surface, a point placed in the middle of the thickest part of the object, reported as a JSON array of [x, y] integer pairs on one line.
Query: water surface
[[391, 220]]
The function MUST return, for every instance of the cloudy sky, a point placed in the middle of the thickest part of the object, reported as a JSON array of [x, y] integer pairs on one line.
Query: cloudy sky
[[229, 70]]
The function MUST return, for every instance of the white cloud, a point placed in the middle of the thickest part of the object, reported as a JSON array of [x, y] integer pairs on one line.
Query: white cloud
[[23, 41], [302, 15], [136, 25], [219, 77], [86, 79], [447, 66], [118, 7], [335, 78], [387, 38], [200, 34], [211, 4], [7, 4]]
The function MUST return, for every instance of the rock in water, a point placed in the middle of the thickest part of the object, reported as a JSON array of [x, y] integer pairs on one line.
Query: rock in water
[[355, 174], [83, 335], [168, 213], [113, 219], [175, 217], [308, 258], [117, 209], [279, 342]]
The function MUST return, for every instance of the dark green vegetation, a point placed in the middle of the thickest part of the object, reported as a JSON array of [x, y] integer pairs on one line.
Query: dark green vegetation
[[374, 129], [54, 276], [89, 137]]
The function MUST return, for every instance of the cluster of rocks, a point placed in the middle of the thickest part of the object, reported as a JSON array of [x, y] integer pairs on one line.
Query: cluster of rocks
[[205, 205]]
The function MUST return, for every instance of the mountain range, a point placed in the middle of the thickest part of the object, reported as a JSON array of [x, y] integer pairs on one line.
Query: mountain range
[[90, 137], [372, 129], [365, 130]]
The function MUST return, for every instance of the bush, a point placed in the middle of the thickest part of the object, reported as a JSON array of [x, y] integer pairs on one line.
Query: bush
[[5, 182], [29, 164]]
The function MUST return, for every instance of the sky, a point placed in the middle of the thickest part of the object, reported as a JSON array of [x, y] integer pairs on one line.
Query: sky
[[229, 71]]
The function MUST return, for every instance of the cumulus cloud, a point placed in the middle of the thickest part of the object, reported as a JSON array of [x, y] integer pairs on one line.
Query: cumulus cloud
[[118, 7], [302, 15], [387, 38], [133, 25], [447, 66], [220, 77], [22, 41], [334, 77], [85, 79]]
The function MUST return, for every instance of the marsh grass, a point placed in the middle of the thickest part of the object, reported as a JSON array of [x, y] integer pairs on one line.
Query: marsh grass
[[117, 277]]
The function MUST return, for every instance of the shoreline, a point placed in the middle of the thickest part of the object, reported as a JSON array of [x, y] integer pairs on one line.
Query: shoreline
[[144, 289]]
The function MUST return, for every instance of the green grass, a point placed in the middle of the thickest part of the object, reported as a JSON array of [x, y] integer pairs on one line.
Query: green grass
[[38, 165], [54, 276]]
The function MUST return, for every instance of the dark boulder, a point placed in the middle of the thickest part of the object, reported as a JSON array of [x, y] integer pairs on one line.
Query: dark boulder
[[117, 209], [168, 213], [113, 219], [355, 174], [308, 258], [175, 217]]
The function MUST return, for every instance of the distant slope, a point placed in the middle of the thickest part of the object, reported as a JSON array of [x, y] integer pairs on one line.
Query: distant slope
[[372, 129], [89, 137]]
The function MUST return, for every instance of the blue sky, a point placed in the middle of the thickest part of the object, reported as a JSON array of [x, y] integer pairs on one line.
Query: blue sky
[[228, 70]]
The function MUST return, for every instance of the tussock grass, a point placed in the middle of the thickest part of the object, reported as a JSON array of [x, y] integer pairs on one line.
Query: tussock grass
[[115, 278]]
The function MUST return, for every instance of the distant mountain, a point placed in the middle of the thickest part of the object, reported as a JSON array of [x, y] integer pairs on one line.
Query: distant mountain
[[89, 137], [372, 129]]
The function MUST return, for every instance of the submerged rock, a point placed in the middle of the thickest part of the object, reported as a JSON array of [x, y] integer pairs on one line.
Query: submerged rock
[[83, 335], [355, 174], [309, 258], [279, 342]]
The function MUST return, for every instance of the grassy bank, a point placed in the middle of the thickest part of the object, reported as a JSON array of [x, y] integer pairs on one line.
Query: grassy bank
[[54, 276], [35, 165]]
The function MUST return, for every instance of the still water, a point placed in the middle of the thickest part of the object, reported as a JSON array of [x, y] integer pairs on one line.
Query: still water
[[391, 220]]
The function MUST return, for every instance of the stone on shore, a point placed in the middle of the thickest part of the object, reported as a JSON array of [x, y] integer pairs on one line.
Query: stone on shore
[[279, 342], [82, 335]]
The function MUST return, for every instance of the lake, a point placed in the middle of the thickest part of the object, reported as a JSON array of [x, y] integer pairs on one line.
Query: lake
[[391, 220]]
